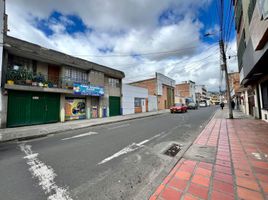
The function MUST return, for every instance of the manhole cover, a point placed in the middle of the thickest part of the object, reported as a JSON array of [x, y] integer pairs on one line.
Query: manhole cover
[[173, 150]]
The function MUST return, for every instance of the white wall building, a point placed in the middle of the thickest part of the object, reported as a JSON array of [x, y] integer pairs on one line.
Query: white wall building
[[134, 99]]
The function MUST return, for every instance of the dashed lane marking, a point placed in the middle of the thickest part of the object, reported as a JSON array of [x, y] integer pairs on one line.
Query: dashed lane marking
[[132, 147]]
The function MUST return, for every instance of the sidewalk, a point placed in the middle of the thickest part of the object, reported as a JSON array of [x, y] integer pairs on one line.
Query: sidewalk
[[45, 129], [239, 166]]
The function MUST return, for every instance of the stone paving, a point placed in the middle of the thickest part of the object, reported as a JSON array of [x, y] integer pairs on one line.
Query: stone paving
[[240, 169]]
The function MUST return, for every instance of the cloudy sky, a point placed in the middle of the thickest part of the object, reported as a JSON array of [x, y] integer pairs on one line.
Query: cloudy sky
[[139, 37]]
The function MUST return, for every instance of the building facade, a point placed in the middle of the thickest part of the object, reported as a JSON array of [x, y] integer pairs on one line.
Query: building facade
[[134, 99], [162, 87], [43, 86], [251, 19], [185, 92], [201, 93]]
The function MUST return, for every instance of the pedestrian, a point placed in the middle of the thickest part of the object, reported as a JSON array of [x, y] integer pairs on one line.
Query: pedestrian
[[222, 105], [233, 104]]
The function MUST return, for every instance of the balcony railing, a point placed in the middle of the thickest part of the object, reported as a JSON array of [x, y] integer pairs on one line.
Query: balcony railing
[[27, 78]]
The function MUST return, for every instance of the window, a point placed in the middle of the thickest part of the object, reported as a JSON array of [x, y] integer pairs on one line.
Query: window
[[114, 82], [19, 63], [137, 102], [75, 75], [264, 92], [241, 50], [251, 8]]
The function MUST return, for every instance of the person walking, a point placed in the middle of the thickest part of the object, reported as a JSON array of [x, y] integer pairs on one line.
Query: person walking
[[222, 105], [233, 104]]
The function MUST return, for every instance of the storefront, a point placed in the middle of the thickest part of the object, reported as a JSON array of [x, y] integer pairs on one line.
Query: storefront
[[84, 103]]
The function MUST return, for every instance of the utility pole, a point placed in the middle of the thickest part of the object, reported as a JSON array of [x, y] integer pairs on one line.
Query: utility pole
[[223, 59], [224, 66]]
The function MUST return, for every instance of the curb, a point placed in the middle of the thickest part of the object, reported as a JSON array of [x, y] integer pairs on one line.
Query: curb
[[44, 133], [177, 158]]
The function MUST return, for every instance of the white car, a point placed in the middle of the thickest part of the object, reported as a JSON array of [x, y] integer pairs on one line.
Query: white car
[[202, 104]]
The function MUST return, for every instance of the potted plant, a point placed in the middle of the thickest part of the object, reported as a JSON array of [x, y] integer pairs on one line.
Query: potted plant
[[11, 75], [40, 79], [34, 82], [29, 78]]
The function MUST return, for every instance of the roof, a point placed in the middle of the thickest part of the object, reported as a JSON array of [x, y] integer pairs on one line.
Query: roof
[[29, 50]]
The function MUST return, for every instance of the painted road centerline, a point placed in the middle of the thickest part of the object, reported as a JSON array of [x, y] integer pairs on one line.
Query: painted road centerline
[[81, 135], [132, 147], [45, 175]]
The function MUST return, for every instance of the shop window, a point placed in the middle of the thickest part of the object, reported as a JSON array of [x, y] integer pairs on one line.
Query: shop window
[[264, 92], [114, 82]]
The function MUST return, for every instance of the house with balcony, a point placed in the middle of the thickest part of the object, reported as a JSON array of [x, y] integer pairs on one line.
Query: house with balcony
[[41, 85], [251, 17]]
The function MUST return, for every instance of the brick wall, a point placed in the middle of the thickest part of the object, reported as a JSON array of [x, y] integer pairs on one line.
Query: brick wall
[[183, 90], [150, 84]]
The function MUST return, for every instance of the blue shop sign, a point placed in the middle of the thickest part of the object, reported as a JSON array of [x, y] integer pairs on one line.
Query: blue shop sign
[[88, 90]]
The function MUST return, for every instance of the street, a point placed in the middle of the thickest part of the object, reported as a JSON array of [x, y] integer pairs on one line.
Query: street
[[115, 161]]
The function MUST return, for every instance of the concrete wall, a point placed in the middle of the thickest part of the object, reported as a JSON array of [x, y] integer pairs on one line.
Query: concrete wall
[[3, 99], [42, 68], [163, 80], [152, 103], [129, 94], [96, 78]]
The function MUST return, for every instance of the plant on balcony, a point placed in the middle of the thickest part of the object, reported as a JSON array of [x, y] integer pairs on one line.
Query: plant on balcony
[[29, 77], [11, 76]]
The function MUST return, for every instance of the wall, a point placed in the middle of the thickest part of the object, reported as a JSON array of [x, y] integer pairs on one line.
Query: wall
[[96, 78], [3, 99], [183, 90], [152, 103], [163, 80], [149, 84], [129, 94], [42, 68]]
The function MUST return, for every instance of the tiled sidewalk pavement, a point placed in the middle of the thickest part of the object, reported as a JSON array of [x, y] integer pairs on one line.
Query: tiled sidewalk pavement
[[240, 170]]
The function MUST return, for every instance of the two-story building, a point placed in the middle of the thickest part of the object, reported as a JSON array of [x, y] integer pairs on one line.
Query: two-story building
[[160, 86], [40, 85], [251, 17]]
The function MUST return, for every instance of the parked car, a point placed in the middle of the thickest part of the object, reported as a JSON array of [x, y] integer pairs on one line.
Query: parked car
[[192, 105], [178, 107]]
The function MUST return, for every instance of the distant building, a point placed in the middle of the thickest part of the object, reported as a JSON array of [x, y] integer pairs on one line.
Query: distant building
[[251, 23], [134, 99], [201, 93], [162, 87], [185, 92]]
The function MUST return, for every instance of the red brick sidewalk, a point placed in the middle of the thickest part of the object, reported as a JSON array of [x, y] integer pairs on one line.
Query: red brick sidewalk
[[240, 170]]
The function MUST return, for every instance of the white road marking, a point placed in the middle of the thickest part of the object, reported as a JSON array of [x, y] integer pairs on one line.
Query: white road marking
[[120, 126], [81, 135], [129, 148], [45, 175]]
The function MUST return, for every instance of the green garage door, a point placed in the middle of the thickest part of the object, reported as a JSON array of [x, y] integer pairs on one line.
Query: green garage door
[[114, 106], [30, 108]]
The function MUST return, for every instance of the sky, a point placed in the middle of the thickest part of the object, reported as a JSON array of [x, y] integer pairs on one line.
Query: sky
[[138, 37]]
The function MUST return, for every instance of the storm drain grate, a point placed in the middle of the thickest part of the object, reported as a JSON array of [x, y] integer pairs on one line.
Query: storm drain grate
[[173, 150]]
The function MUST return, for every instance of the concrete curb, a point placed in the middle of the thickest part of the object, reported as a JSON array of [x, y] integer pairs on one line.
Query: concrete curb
[[162, 175], [7, 135]]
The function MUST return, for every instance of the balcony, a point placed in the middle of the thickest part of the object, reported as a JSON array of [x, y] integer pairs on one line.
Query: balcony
[[40, 82]]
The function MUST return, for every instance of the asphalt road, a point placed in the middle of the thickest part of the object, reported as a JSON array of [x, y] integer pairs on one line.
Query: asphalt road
[[117, 161]]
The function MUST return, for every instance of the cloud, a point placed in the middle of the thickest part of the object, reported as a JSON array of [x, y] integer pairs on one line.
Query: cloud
[[136, 36]]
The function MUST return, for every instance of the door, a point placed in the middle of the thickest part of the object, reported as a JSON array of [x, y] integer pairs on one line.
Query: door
[[53, 74], [31, 108], [114, 105]]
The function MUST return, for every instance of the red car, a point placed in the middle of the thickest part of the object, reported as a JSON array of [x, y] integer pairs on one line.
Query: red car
[[178, 107]]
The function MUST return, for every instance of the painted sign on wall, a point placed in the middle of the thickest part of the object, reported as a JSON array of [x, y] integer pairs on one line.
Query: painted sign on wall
[[75, 109], [88, 90]]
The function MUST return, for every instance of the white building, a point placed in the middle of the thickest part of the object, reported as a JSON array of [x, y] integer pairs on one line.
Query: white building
[[135, 99]]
